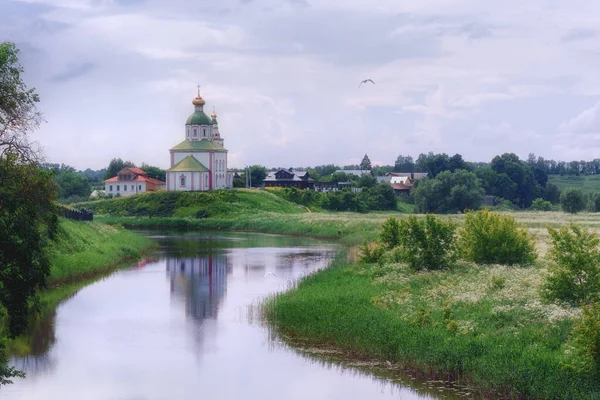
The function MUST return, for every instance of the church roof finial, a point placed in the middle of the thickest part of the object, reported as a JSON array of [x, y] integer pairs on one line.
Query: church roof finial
[[198, 101], [214, 114]]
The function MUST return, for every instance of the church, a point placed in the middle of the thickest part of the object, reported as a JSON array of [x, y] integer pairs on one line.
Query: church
[[199, 162]]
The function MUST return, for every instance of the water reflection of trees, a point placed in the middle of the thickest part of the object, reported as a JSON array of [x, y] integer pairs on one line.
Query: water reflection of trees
[[201, 281], [41, 338]]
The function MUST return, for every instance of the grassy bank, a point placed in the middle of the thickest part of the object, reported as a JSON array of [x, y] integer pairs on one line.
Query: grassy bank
[[80, 253], [586, 183], [485, 326]]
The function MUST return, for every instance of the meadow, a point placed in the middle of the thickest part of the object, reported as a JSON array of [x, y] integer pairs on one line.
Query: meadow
[[589, 184]]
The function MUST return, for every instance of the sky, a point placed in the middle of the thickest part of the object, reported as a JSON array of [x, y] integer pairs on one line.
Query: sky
[[116, 77]]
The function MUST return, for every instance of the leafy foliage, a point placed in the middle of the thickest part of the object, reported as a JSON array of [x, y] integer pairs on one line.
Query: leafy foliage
[[522, 175], [427, 244], [492, 238], [115, 165], [449, 192], [365, 164], [572, 201], [575, 274], [585, 339], [551, 193], [390, 232], [18, 114], [154, 172], [540, 204]]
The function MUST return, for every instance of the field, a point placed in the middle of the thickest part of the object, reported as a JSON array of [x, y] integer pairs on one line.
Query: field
[[587, 183]]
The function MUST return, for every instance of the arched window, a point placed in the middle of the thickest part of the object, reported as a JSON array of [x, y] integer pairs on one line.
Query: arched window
[[204, 133], [182, 180], [195, 132]]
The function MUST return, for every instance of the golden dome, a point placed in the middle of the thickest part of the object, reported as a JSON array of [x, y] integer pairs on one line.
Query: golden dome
[[198, 101], [213, 115]]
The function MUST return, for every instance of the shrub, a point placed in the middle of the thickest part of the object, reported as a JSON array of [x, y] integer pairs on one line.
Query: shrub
[[597, 204], [390, 234], [427, 243], [371, 252], [492, 238], [574, 275], [541, 205], [585, 339], [572, 201]]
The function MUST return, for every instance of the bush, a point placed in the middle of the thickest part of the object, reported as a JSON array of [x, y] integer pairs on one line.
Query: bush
[[541, 205], [585, 339], [574, 274], [371, 252], [427, 243], [572, 201], [390, 234], [492, 238]]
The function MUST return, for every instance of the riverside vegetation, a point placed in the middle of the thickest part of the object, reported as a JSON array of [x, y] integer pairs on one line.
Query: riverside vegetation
[[79, 253], [481, 309]]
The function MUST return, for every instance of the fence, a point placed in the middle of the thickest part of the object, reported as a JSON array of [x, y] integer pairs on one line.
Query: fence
[[77, 215]]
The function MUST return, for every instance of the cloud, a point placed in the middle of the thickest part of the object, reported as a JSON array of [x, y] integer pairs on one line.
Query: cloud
[[588, 121], [579, 34], [458, 76], [74, 72]]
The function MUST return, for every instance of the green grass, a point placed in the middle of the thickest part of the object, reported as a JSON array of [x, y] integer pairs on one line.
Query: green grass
[[586, 183], [216, 203], [84, 249], [81, 252], [454, 325]]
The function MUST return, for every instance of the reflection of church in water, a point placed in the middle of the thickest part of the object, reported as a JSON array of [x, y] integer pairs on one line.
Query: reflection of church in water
[[202, 281]]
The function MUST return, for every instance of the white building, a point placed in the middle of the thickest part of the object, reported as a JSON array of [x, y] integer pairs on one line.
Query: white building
[[131, 181], [199, 162]]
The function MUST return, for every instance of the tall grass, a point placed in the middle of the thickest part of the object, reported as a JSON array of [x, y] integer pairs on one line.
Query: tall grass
[[465, 324], [84, 249]]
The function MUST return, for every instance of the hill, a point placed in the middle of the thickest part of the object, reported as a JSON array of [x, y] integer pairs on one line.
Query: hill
[[194, 204], [586, 183]]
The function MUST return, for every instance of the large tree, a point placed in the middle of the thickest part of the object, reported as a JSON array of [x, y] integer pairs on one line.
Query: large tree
[[365, 164], [27, 194], [155, 172], [449, 192], [115, 165], [18, 114]]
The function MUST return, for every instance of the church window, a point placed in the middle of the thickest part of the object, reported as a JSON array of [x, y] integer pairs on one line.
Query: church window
[[195, 133], [204, 132], [182, 181]]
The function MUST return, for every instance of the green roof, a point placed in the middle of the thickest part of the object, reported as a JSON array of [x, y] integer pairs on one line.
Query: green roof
[[198, 118], [188, 164], [204, 145]]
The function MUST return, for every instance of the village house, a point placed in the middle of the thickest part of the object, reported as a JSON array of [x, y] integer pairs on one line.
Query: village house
[[289, 178], [131, 181], [402, 182]]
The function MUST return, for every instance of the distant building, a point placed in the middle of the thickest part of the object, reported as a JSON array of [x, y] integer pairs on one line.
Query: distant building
[[131, 181], [289, 178], [402, 182], [199, 162]]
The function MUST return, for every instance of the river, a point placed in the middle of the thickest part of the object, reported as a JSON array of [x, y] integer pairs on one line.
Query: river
[[180, 326]]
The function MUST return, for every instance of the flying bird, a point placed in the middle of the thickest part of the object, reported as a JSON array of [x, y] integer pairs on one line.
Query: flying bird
[[365, 81]]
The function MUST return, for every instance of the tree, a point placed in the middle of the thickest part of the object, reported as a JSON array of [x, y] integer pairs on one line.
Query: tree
[[521, 174], [18, 114], [154, 172], [449, 192], [72, 184], [404, 164], [258, 173], [115, 165], [572, 201], [27, 211], [551, 193], [365, 164], [367, 181]]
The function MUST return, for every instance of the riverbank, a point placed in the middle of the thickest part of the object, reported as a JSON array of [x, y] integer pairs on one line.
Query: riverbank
[[80, 254], [481, 326]]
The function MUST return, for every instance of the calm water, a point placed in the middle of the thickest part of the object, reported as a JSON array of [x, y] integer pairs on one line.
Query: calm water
[[177, 327]]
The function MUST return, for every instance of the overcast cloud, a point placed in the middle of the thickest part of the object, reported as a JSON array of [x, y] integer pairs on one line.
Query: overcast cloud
[[116, 77]]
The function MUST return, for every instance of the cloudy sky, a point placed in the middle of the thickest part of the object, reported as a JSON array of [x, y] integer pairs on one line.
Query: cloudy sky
[[480, 78]]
